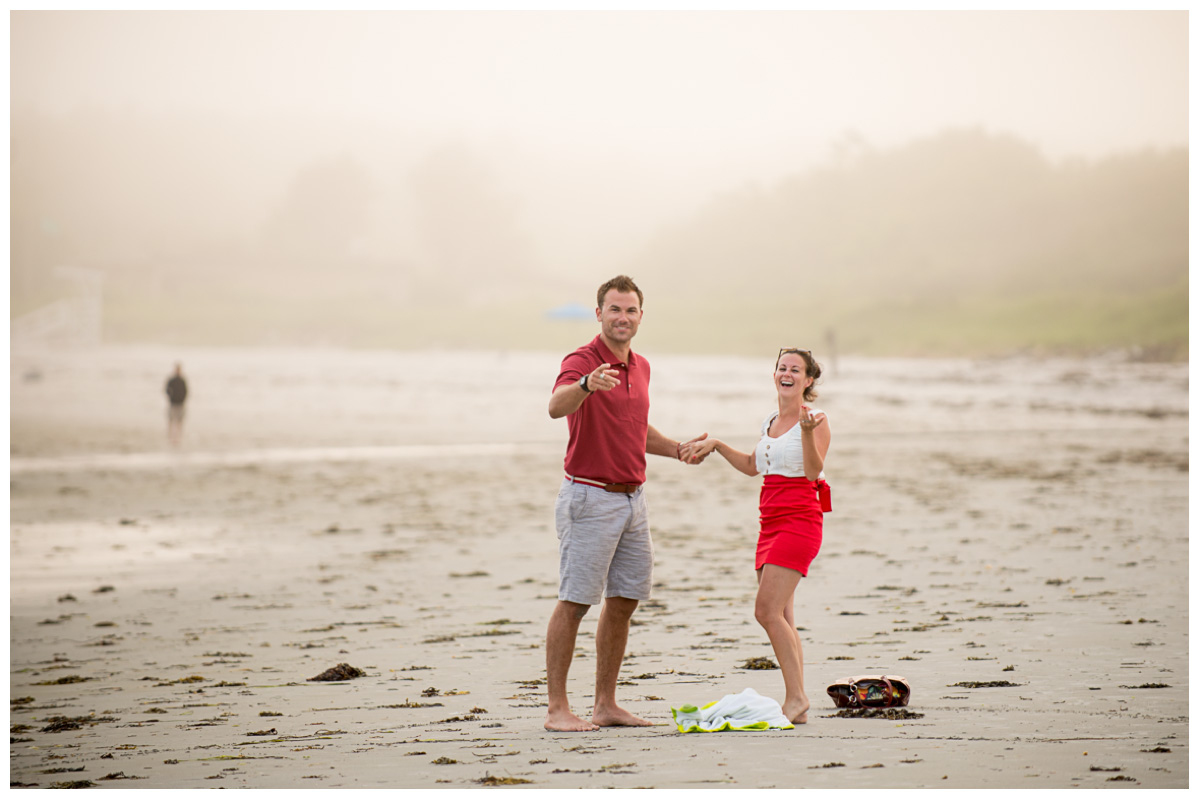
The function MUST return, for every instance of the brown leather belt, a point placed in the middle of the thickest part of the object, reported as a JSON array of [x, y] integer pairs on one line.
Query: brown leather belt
[[618, 488]]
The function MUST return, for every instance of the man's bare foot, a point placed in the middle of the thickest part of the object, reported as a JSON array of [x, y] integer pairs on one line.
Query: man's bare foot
[[566, 721], [797, 712], [617, 716]]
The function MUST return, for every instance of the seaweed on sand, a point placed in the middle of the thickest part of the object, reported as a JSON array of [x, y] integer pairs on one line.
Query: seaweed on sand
[[984, 684], [762, 662], [342, 672], [877, 713], [493, 780], [57, 724], [63, 681], [121, 776]]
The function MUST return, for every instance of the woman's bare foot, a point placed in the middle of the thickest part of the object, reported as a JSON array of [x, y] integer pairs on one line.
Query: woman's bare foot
[[566, 721], [796, 711], [617, 716]]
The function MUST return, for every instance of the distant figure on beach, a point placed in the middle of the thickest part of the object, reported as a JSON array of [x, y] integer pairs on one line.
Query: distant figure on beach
[[604, 546], [176, 396], [791, 453]]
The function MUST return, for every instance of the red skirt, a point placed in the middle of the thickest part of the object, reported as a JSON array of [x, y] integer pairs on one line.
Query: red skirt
[[791, 520]]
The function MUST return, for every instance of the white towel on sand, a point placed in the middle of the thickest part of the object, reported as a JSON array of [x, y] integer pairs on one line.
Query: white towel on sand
[[746, 711]]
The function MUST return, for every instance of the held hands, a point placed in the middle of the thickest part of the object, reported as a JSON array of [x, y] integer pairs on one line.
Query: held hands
[[603, 379], [697, 449]]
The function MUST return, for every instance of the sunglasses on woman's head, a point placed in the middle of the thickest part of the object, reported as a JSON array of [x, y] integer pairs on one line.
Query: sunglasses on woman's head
[[796, 350]]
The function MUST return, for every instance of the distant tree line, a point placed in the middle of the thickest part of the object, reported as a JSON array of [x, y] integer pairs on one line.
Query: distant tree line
[[961, 213], [965, 239]]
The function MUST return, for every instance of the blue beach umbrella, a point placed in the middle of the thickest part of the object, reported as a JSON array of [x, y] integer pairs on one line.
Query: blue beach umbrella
[[571, 311]]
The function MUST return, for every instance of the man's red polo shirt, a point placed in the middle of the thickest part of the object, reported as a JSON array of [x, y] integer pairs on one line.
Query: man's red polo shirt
[[608, 432]]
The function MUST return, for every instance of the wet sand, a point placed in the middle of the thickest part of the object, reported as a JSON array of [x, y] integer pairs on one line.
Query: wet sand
[[1012, 522]]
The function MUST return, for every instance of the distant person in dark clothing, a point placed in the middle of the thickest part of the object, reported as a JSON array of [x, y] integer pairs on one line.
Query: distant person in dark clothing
[[177, 394]]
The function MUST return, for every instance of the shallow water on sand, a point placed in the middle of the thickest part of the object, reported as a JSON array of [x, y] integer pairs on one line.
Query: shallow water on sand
[[373, 404]]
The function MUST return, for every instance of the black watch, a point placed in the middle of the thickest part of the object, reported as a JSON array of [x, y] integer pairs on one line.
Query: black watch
[[583, 384]]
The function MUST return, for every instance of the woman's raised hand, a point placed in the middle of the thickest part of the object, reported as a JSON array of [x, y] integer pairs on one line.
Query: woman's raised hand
[[809, 421]]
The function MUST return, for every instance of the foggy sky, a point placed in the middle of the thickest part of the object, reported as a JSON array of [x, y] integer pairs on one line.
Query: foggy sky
[[685, 88], [590, 130]]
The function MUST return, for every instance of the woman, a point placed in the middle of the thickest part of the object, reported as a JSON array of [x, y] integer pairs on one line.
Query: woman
[[791, 453]]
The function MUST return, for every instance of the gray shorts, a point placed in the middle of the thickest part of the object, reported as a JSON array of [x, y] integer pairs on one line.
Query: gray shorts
[[604, 547]]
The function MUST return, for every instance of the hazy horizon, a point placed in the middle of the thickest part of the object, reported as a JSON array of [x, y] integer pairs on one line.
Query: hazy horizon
[[555, 146]]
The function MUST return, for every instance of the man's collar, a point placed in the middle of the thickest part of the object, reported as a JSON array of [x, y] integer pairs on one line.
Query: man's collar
[[608, 357]]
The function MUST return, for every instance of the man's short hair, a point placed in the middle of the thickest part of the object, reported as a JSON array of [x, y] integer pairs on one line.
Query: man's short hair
[[622, 283]]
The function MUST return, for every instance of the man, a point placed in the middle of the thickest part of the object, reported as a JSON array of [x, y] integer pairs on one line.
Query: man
[[176, 395], [604, 536]]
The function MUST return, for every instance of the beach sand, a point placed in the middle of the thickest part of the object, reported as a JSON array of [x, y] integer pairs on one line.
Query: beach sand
[[1014, 521]]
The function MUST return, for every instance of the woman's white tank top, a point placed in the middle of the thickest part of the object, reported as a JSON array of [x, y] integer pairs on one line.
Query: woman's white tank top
[[784, 454]]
